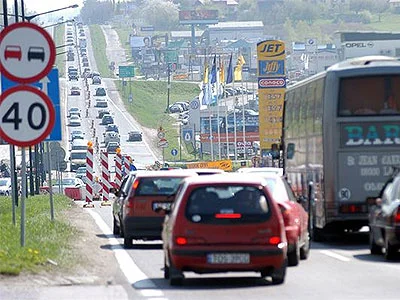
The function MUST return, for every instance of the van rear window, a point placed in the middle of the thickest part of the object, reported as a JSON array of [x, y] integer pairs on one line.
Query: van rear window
[[227, 205], [158, 186]]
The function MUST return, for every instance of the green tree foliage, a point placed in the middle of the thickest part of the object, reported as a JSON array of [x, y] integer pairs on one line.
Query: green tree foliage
[[96, 12], [162, 14]]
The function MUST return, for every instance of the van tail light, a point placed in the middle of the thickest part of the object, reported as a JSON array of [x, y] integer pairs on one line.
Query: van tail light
[[228, 216], [396, 216], [274, 240], [180, 240]]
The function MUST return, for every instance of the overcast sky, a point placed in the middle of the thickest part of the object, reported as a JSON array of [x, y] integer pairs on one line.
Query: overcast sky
[[46, 5]]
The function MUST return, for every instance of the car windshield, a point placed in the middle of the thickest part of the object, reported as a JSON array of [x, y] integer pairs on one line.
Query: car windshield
[[158, 186], [65, 181], [78, 155], [100, 92], [222, 204]]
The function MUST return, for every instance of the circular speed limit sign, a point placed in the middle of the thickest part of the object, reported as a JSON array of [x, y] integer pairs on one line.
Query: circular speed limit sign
[[26, 116]]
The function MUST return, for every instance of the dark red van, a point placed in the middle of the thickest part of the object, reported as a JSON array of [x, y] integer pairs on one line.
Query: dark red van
[[150, 191], [224, 223]]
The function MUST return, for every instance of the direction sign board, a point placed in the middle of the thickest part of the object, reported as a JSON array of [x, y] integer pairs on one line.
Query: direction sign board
[[174, 152], [126, 71], [26, 116], [27, 52], [187, 134], [50, 86]]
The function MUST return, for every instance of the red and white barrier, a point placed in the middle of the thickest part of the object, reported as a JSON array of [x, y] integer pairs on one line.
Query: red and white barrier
[[118, 170], [89, 176], [105, 178], [127, 164]]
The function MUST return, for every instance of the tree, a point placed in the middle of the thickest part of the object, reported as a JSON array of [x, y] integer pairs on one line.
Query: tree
[[96, 12], [162, 14]]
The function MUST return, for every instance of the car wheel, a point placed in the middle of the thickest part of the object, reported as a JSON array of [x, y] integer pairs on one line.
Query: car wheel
[[294, 255], [391, 251], [175, 276], [373, 247], [128, 242], [166, 269], [116, 229], [278, 276], [305, 249]]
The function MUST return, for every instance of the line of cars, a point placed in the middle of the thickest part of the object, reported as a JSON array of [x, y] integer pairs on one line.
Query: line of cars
[[219, 223]]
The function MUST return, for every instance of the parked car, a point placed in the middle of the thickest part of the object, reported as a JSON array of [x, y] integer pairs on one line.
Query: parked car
[[101, 103], [112, 147], [224, 223], [134, 136], [184, 105], [102, 112], [137, 217], [74, 111], [294, 214], [74, 120], [100, 92], [384, 220], [175, 108], [75, 91], [107, 119], [5, 186]]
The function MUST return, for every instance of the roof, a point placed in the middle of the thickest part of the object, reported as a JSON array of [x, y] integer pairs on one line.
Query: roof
[[368, 35], [271, 170], [236, 25], [227, 178], [186, 34], [166, 174]]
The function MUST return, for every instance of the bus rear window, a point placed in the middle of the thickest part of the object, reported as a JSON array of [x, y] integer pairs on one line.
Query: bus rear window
[[369, 95]]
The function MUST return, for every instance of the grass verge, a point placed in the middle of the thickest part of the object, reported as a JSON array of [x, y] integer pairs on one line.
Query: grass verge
[[98, 42], [149, 104], [59, 39], [45, 240]]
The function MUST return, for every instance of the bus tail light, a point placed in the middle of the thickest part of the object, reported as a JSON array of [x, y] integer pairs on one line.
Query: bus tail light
[[396, 216], [353, 208]]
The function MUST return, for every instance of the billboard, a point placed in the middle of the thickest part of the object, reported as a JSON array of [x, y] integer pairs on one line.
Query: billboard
[[198, 17], [271, 72]]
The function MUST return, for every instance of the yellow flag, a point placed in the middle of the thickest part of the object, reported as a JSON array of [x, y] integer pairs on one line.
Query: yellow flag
[[241, 60], [237, 73], [221, 72], [205, 77]]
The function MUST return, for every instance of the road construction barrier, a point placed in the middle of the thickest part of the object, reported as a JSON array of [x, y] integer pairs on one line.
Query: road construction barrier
[[105, 175], [127, 164], [89, 176], [118, 169], [73, 192]]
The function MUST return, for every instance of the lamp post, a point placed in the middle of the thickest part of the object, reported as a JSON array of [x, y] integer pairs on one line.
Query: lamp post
[[168, 86], [29, 18], [59, 23]]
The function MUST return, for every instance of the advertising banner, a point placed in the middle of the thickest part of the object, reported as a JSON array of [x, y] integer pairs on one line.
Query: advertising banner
[[225, 165], [271, 74]]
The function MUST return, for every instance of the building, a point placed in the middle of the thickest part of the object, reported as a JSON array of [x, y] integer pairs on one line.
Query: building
[[352, 44], [235, 31]]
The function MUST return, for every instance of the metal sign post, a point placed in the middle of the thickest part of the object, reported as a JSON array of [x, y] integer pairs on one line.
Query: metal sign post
[[23, 195], [49, 183]]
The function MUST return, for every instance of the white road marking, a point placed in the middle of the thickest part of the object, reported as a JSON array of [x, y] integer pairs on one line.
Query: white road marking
[[335, 255], [131, 271]]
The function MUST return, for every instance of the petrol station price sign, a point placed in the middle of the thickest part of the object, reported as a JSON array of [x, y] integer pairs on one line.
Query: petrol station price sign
[[27, 52], [27, 116]]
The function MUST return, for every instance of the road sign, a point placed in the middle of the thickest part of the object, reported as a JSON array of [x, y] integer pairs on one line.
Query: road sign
[[27, 52], [187, 134], [174, 152], [50, 86], [161, 135], [126, 71], [163, 143], [26, 116]]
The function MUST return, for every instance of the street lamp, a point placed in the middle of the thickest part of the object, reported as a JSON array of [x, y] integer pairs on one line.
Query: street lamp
[[59, 23], [29, 18]]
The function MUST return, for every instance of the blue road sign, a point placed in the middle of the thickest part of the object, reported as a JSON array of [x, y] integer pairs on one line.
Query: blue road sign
[[174, 152], [53, 91], [187, 134]]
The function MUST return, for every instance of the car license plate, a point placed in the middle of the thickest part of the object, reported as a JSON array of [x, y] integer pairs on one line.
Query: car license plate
[[228, 258], [162, 205]]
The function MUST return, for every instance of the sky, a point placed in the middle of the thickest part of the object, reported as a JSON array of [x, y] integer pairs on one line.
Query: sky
[[45, 5]]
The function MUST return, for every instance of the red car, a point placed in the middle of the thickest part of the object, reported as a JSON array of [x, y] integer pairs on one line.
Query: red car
[[224, 223], [294, 216], [136, 215], [13, 51]]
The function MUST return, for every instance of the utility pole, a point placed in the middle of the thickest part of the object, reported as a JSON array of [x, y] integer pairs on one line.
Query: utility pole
[[168, 85]]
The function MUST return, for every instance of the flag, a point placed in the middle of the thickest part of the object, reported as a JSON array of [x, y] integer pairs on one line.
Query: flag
[[205, 100], [214, 71], [238, 69], [221, 71], [205, 75], [229, 76]]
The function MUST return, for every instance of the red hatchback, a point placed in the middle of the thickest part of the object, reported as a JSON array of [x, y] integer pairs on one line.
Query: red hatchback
[[294, 216], [150, 191], [224, 223]]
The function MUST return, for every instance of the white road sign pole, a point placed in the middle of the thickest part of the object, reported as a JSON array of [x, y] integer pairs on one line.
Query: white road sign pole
[[23, 195]]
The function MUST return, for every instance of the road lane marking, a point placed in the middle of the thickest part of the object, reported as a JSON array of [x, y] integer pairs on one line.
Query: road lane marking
[[131, 271], [335, 255]]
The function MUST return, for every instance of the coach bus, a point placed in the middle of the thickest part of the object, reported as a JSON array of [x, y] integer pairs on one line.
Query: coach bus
[[342, 139]]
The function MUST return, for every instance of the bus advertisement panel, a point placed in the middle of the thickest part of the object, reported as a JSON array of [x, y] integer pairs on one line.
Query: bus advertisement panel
[[271, 91]]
